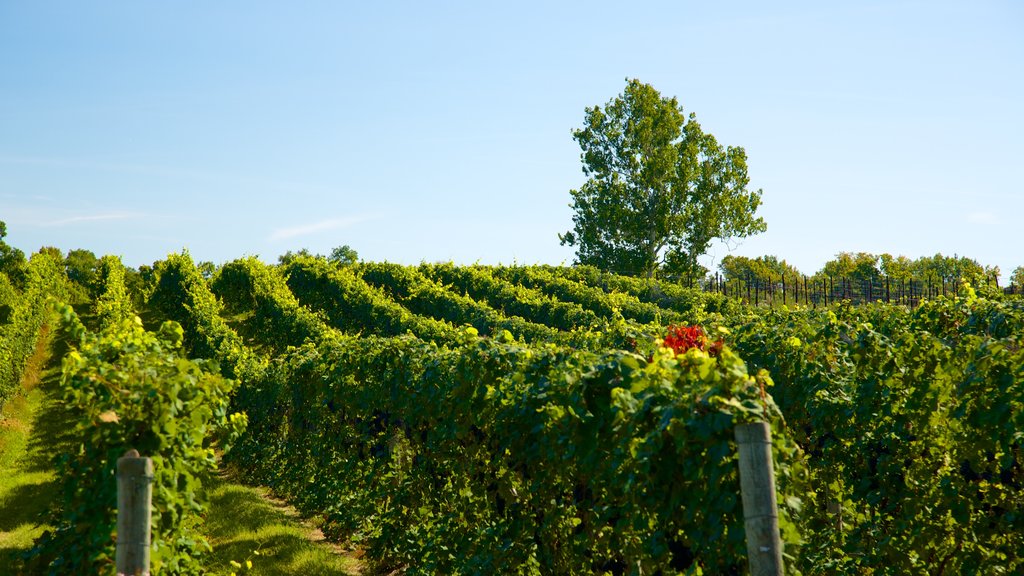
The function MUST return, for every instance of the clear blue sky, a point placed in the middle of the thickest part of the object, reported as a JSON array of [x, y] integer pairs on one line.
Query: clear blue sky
[[442, 131]]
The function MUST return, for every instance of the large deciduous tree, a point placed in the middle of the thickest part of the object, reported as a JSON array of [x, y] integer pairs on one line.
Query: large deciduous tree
[[659, 190]]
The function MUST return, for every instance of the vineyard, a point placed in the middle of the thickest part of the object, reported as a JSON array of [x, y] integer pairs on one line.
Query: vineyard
[[533, 419]]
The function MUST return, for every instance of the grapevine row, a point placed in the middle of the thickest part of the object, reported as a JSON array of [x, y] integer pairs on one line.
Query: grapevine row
[[911, 421], [355, 307], [480, 284], [22, 314], [422, 295], [691, 303], [606, 305], [277, 319], [406, 444]]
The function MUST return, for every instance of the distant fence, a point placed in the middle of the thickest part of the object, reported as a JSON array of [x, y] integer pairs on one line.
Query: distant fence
[[823, 291]]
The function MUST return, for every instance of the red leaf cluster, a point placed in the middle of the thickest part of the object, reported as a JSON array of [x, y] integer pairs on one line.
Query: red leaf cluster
[[682, 338]]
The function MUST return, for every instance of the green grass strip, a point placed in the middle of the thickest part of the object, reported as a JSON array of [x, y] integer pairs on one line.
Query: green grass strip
[[254, 534]]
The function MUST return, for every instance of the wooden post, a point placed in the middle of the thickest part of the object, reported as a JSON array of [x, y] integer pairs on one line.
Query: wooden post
[[134, 500], [760, 507]]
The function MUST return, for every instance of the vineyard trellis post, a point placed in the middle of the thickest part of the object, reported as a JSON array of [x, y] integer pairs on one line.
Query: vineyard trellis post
[[134, 501], [760, 504]]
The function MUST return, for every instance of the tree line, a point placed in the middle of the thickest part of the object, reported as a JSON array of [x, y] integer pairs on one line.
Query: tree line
[[863, 267]]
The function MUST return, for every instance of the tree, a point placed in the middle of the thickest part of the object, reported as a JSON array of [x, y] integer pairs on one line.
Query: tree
[[206, 269], [12, 260], [659, 188], [949, 268], [897, 268], [862, 266], [288, 256], [763, 269], [81, 266], [344, 255], [1017, 278], [52, 252]]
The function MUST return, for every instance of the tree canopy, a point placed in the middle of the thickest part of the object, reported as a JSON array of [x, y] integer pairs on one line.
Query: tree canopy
[[763, 269], [12, 260], [344, 255], [865, 266], [660, 189], [1017, 278], [81, 266]]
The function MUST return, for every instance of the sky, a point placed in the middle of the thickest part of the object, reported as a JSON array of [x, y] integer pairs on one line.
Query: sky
[[442, 131]]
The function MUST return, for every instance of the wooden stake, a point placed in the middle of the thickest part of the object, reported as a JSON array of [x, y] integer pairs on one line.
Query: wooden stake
[[760, 507], [134, 500]]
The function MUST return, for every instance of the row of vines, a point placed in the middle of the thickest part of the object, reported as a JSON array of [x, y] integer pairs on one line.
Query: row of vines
[[535, 420], [22, 314], [488, 454], [445, 417], [912, 423], [123, 387]]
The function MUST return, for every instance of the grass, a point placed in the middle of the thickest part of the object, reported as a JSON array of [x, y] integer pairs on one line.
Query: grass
[[244, 523], [27, 443]]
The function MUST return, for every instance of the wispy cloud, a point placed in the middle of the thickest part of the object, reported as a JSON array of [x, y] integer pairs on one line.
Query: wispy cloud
[[92, 218], [982, 218], [157, 170], [316, 227]]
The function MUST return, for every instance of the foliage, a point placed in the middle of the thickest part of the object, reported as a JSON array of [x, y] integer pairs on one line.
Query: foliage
[[493, 457], [763, 269], [861, 266], [951, 268], [343, 256], [691, 303], [129, 388], [610, 305], [248, 284], [660, 189], [12, 260], [864, 266], [353, 306], [9, 296], [898, 268], [24, 312], [181, 294], [140, 284], [423, 296], [911, 422], [480, 284], [1017, 278], [206, 269], [82, 267], [288, 256], [444, 452], [113, 304]]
